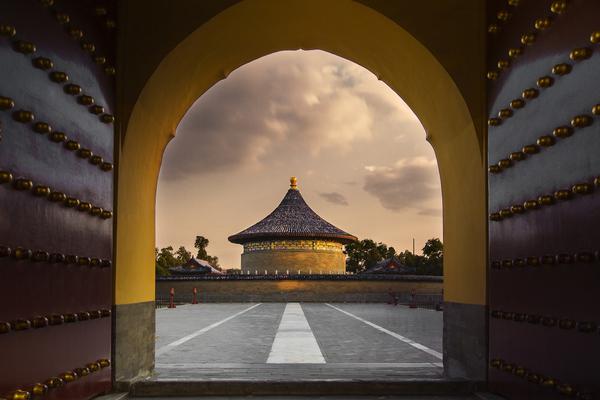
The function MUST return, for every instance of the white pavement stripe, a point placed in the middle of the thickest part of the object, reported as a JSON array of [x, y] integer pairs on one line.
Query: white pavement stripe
[[213, 366], [294, 342], [393, 334], [184, 339]]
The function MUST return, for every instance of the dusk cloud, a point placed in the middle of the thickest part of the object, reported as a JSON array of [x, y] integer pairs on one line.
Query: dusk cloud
[[335, 198], [310, 114], [410, 183], [431, 212], [312, 103]]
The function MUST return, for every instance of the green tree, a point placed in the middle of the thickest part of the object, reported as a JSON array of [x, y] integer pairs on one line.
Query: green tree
[[159, 267], [365, 254], [391, 252], [183, 255], [433, 249], [433, 253], [201, 244], [411, 260], [165, 259]]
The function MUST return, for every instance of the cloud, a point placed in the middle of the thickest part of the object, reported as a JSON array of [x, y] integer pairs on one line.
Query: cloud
[[431, 212], [308, 101], [410, 183], [335, 198]]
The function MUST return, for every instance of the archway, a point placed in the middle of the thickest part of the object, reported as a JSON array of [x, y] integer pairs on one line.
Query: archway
[[244, 32]]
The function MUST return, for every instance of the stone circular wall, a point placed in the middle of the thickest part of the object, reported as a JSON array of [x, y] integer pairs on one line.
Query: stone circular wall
[[293, 261]]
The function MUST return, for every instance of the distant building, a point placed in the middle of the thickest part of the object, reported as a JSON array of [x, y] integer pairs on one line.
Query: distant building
[[195, 266], [294, 239], [233, 271], [391, 265]]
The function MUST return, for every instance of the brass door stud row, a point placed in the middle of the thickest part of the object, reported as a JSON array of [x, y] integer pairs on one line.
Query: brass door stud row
[[23, 254], [42, 191], [548, 322], [75, 90], [544, 82], [561, 132], [41, 321], [557, 7], [61, 77], [44, 128], [107, 22], [40, 389], [539, 379], [583, 257], [78, 34], [502, 16], [583, 188]]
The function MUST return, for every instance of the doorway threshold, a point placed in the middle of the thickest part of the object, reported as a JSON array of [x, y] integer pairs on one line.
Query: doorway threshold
[[299, 379]]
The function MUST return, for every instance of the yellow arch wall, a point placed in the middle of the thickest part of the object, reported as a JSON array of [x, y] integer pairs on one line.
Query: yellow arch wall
[[254, 28]]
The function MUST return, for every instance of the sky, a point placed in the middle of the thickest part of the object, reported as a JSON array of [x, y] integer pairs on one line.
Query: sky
[[357, 149]]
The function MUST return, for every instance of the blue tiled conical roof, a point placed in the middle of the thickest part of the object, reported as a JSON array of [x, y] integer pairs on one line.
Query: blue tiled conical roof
[[292, 219]]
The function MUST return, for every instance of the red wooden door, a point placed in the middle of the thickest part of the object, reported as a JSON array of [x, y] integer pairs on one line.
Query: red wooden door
[[544, 198], [56, 197]]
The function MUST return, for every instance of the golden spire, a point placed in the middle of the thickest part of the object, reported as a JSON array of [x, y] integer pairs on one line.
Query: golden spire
[[293, 183]]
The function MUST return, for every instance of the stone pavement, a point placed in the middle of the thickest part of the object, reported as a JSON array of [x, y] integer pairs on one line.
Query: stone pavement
[[219, 342]]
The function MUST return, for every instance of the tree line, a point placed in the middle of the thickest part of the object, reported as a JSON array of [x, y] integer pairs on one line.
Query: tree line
[[364, 254], [166, 257], [361, 256]]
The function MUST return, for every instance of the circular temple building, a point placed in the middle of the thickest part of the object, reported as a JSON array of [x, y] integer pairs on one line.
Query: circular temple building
[[293, 239]]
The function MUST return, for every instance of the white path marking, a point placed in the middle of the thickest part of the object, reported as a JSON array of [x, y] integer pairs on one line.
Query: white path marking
[[393, 334], [294, 342], [184, 339]]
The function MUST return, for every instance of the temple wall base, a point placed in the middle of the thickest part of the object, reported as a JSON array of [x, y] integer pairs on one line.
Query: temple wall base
[[293, 262]]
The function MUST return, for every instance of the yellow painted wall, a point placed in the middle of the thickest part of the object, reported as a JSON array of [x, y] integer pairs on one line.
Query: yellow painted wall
[[305, 261], [168, 62]]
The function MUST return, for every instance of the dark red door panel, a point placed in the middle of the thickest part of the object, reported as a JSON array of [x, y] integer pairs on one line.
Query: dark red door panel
[[544, 198], [57, 100]]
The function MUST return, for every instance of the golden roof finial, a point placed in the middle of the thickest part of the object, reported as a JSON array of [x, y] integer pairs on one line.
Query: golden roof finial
[[293, 183]]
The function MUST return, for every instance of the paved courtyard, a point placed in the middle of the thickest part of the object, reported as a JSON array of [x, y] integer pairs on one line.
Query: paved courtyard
[[297, 341]]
